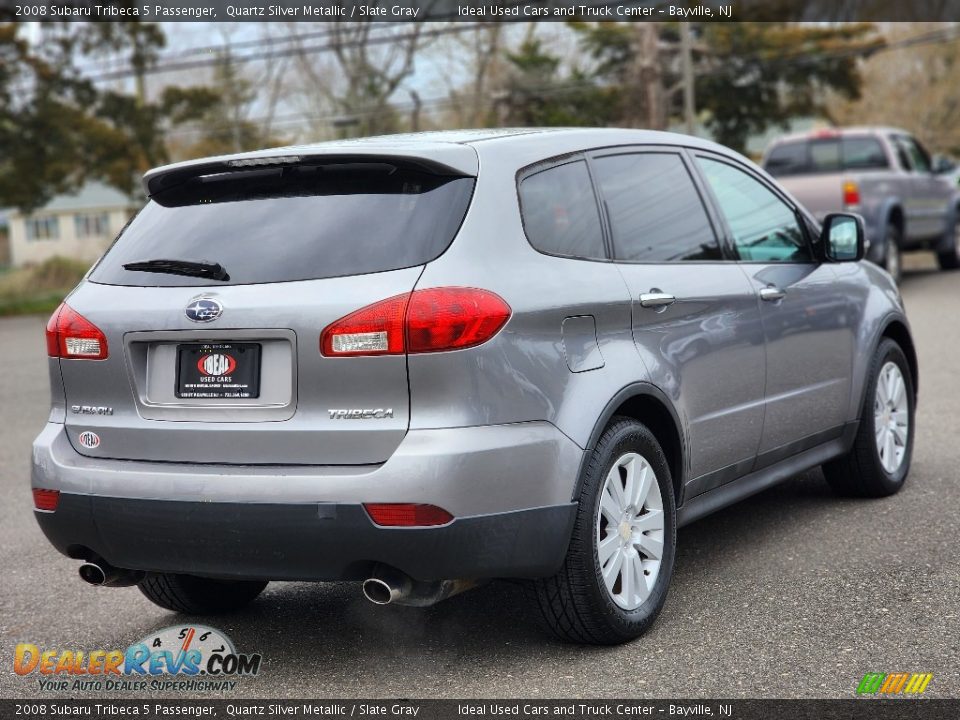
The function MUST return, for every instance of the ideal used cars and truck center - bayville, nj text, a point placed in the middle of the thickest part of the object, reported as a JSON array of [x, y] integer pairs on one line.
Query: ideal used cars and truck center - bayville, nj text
[[365, 12]]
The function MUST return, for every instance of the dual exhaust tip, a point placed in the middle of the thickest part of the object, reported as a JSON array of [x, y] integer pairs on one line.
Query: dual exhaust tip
[[386, 585]]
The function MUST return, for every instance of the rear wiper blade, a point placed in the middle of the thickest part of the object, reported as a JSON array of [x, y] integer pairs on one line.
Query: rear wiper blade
[[213, 271]]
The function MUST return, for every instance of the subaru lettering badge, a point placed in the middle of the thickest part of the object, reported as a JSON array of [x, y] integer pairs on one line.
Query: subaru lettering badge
[[203, 310]]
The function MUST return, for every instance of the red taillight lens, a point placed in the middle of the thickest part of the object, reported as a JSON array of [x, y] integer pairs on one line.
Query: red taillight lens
[[407, 514], [374, 330], [431, 320], [71, 335], [851, 193], [453, 318], [46, 499]]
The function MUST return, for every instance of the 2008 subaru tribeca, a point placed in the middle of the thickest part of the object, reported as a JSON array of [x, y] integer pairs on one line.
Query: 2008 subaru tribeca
[[423, 361]]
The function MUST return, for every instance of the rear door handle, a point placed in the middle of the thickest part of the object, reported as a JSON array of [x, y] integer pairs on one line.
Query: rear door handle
[[656, 299], [772, 293]]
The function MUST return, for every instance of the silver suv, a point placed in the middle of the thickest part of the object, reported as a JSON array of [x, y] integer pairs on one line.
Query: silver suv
[[425, 361]]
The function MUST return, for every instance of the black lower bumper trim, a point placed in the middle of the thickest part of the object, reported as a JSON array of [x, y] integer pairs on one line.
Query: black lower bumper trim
[[302, 542]]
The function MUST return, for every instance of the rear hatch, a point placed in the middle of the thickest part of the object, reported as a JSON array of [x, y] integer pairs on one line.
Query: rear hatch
[[213, 355]]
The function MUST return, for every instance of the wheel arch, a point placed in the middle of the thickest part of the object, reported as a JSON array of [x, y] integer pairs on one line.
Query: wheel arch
[[894, 214], [898, 331], [648, 404]]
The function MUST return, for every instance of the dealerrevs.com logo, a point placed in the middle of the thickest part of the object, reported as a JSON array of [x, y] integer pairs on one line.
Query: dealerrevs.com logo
[[188, 658]]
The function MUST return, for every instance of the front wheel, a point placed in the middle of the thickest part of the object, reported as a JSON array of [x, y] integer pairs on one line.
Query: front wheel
[[949, 259], [879, 461], [615, 577], [891, 253], [193, 595]]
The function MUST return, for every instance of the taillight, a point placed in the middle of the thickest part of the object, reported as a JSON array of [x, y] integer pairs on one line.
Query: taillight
[[46, 500], [407, 514], [431, 320], [851, 193], [71, 335]]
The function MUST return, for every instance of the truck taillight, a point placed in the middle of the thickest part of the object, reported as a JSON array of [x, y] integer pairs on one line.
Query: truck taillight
[[851, 194], [424, 321], [71, 335]]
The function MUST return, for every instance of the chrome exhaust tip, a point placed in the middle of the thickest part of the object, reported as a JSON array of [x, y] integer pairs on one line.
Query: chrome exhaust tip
[[380, 592], [388, 585], [93, 574], [98, 573]]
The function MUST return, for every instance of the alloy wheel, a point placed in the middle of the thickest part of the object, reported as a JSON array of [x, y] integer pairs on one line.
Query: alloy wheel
[[630, 531], [891, 417]]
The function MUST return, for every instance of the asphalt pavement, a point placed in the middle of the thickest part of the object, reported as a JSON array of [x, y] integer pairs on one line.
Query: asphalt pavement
[[792, 593]]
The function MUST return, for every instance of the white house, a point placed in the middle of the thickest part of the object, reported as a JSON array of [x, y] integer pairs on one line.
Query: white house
[[77, 226]]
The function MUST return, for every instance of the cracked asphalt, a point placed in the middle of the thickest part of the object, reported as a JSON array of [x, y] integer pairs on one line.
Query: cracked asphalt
[[792, 593]]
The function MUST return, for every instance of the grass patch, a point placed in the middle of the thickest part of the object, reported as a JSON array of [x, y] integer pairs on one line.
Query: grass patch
[[39, 288]]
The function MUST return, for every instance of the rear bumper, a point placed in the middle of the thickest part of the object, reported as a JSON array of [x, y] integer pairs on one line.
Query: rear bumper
[[508, 486], [302, 542]]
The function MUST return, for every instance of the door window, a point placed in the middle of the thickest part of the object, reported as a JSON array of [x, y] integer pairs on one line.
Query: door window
[[919, 158], [764, 227], [656, 214]]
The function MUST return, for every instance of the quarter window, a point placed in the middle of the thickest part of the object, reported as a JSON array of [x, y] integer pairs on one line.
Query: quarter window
[[560, 214], [765, 229], [656, 214]]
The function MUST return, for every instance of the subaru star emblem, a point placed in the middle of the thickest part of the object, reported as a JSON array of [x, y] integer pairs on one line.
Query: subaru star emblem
[[204, 310]]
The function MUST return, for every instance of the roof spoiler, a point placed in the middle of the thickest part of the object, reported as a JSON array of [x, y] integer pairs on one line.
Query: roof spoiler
[[446, 159]]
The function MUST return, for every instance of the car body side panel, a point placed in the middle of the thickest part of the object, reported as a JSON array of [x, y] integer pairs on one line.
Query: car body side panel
[[875, 300], [705, 351], [522, 374]]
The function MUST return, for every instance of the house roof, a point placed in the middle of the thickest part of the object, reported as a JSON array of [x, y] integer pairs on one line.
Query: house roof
[[91, 196]]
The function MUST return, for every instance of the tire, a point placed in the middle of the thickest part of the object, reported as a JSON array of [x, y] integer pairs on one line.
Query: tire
[[862, 472], [576, 604], [950, 259], [193, 595], [892, 260]]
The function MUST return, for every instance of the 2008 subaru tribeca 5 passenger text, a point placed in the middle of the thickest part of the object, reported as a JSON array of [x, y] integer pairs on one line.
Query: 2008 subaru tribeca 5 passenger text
[[424, 361]]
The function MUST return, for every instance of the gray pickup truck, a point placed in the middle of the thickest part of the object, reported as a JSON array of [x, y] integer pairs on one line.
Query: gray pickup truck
[[885, 175]]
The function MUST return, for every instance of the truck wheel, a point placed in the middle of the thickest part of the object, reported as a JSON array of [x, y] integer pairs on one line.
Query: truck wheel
[[879, 461], [891, 253], [615, 577], [950, 259], [193, 595]]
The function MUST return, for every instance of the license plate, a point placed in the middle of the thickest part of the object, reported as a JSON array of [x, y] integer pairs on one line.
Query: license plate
[[218, 370]]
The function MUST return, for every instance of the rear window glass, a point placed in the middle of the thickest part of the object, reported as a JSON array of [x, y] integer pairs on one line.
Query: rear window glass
[[301, 222], [560, 213], [826, 155]]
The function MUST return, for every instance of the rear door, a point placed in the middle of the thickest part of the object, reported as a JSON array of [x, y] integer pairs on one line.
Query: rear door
[[807, 315], [928, 205], [696, 321], [229, 369]]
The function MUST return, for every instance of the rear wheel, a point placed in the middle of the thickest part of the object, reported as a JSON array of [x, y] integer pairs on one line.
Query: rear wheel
[[199, 596], [879, 461], [950, 258], [891, 253], [615, 577]]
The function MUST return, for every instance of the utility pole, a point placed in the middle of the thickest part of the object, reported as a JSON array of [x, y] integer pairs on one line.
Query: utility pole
[[686, 59]]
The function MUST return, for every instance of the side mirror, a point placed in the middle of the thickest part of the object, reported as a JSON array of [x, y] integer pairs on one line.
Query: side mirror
[[842, 237]]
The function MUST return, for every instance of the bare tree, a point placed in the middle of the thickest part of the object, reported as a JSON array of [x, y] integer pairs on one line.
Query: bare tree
[[913, 87], [356, 71]]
